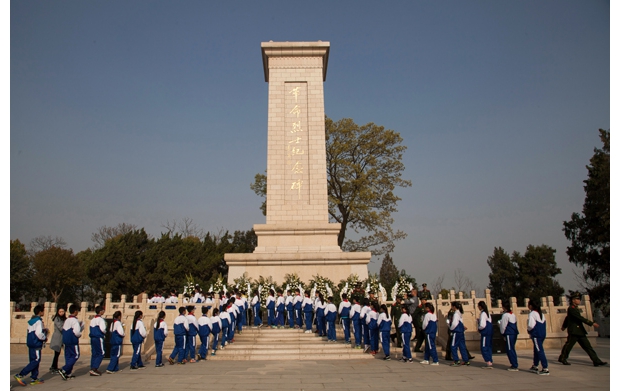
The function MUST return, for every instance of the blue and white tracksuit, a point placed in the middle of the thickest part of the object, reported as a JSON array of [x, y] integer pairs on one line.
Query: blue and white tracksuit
[[508, 328], [225, 320], [344, 310], [280, 311], [363, 320], [308, 308], [270, 304], [290, 311], [256, 311], [97, 336], [356, 323], [485, 328], [71, 333], [233, 310], [330, 317], [204, 330], [458, 337], [191, 336], [384, 323], [34, 341], [321, 325], [159, 335], [117, 333], [405, 326], [216, 327], [429, 325], [297, 300], [537, 328], [371, 321], [181, 329], [137, 337]]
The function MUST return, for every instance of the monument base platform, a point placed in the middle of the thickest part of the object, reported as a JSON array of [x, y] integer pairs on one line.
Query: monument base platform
[[333, 265]]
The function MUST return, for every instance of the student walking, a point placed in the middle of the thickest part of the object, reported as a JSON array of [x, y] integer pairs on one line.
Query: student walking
[[258, 322], [138, 334], [216, 327], [56, 342], [429, 327], [290, 309], [508, 328], [371, 320], [204, 330], [330, 317], [181, 328], [458, 336], [320, 316], [117, 333], [344, 310], [160, 332], [280, 310], [363, 320], [225, 321], [485, 328], [71, 333], [356, 323], [97, 336], [297, 300], [37, 335], [384, 324], [537, 328], [406, 328], [308, 308], [270, 304], [190, 354]]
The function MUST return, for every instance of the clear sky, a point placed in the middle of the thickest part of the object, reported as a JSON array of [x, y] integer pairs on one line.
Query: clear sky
[[147, 111]]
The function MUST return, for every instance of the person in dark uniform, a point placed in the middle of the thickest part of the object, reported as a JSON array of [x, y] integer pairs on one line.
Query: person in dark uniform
[[395, 313], [448, 349], [424, 293], [418, 317], [577, 333]]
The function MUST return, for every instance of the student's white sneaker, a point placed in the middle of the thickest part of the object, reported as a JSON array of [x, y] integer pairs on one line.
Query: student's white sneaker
[[424, 362], [434, 363]]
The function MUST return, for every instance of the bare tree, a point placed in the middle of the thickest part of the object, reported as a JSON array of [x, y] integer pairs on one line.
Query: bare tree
[[42, 242], [437, 285], [186, 227], [470, 285], [104, 233], [460, 280]]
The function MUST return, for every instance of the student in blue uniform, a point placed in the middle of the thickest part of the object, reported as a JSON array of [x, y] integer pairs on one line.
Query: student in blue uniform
[[204, 330], [344, 309], [280, 310], [71, 333], [330, 317], [384, 323], [117, 333], [458, 336], [37, 335], [356, 323], [216, 327], [371, 321], [508, 328], [225, 320], [297, 300], [233, 311], [97, 335], [138, 334], [537, 328], [190, 354], [308, 308], [258, 322], [405, 325], [485, 328], [290, 310], [429, 326], [181, 328], [320, 316], [363, 317], [270, 304], [160, 332]]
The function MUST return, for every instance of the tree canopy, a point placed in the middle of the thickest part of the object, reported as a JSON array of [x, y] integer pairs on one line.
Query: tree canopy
[[56, 270], [364, 166], [589, 232]]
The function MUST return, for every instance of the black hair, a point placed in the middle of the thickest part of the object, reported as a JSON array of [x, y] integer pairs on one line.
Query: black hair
[[73, 308], [38, 308], [271, 292], [182, 310], [216, 311], [63, 317], [384, 308], [190, 308], [136, 316], [117, 315], [205, 310], [344, 296], [375, 306], [160, 317], [330, 299], [404, 310], [484, 307], [231, 300], [458, 306], [536, 307], [430, 306], [98, 309], [256, 292], [365, 301], [279, 291], [320, 297], [506, 306], [297, 290], [307, 293]]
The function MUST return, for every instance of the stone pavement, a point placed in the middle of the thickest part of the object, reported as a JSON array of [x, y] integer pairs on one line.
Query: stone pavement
[[337, 375]]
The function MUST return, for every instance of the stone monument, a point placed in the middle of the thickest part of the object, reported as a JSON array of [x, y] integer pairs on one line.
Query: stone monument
[[297, 237]]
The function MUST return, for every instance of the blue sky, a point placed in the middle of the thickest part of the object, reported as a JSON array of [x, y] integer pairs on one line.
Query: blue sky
[[148, 111]]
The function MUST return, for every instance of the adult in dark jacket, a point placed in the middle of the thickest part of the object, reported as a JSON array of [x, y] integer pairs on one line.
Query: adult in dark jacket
[[56, 342], [418, 316], [577, 333]]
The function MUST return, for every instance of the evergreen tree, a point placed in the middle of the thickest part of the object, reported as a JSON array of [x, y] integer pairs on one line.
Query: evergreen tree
[[388, 273]]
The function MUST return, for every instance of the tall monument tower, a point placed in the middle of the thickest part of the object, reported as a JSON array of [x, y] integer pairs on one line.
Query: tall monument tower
[[297, 237]]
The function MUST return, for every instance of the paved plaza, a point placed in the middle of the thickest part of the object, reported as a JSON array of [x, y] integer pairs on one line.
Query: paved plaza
[[337, 375]]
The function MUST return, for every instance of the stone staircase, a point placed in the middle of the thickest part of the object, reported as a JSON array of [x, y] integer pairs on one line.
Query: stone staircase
[[280, 344]]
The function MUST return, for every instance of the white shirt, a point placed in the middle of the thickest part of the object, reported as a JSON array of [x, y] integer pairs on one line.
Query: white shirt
[[204, 320], [269, 300], [98, 321], [428, 317], [191, 319], [163, 326], [507, 317], [73, 323], [182, 319], [484, 319], [118, 327], [355, 308], [343, 304], [330, 308], [383, 317], [456, 318], [254, 300], [533, 318], [140, 328], [371, 315], [404, 318], [279, 301]]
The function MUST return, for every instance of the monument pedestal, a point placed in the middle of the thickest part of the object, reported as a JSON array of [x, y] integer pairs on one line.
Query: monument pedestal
[[298, 237]]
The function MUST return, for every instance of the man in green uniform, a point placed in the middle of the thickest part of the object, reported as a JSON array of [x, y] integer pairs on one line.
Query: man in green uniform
[[418, 319], [395, 313], [424, 293], [577, 333]]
